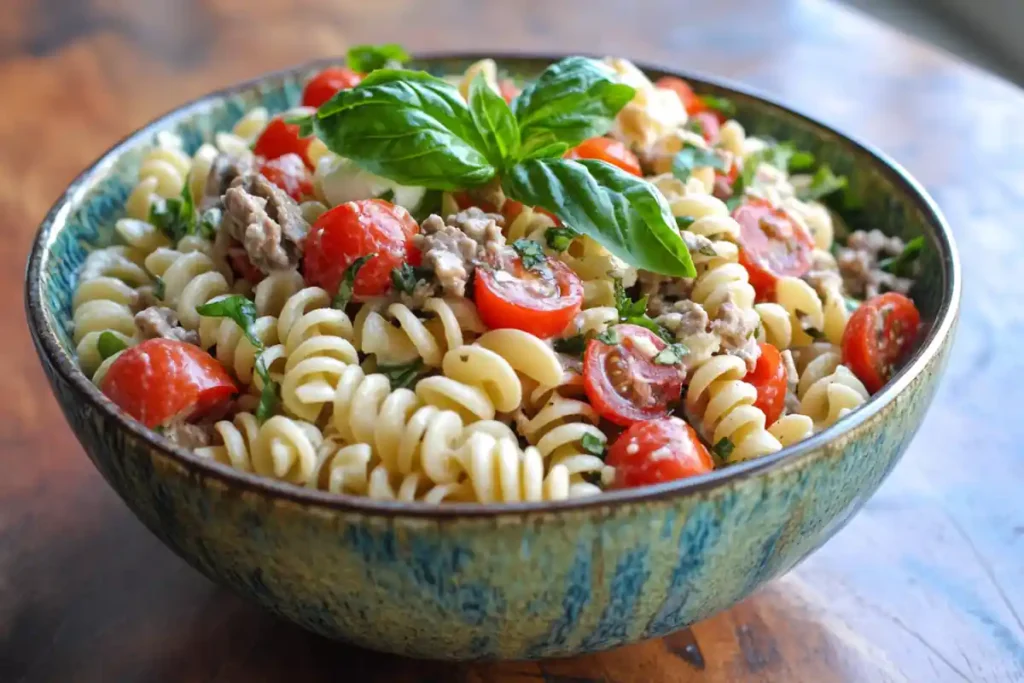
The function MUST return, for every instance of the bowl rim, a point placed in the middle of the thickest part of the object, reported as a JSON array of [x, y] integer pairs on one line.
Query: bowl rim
[[48, 346]]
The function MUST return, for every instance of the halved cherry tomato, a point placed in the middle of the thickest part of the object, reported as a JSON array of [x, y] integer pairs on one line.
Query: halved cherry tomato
[[623, 382], [692, 103], [772, 245], [327, 83], [509, 90], [606, 149], [465, 199], [280, 138], [512, 209], [243, 267], [659, 450], [710, 126], [541, 301], [355, 229], [289, 172], [769, 378], [880, 333], [161, 380]]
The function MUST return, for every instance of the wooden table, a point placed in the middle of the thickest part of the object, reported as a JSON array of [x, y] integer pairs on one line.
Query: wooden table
[[926, 584]]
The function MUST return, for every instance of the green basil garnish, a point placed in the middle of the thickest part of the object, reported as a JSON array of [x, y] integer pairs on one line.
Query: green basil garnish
[[237, 308], [347, 286], [495, 122], [723, 449], [175, 217], [109, 343], [691, 157], [722, 105], [531, 254], [672, 354], [559, 239], [572, 346], [594, 444], [406, 277], [823, 183], [269, 395], [902, 264], [403, 376], [367, 58]]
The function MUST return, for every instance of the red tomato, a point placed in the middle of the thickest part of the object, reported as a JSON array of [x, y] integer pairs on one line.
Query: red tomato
[[879, 335], [772, 245], [606, 149], [164, 379], [623, 382], [710, 126], [289, 172], [242, 266], [769, 378], [325, 84], [659, 450], [725, 181], [280, 138], [540, 301], [512, 209], [355, 229], [692, 103], [464, 199], [509, 90]]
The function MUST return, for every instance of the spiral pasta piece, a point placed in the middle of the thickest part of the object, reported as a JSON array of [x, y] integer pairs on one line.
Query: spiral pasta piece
[[272, 292], [190, 279], [476, 383], [237, 437], [776, 327], [162, 175], [141, 236], [342, 468], [530, 224], [385, 485], [285, 449], [832, 397], [791, 429], [414, 338], [806, 315], [721, 283], [307, 313], [499, 472]]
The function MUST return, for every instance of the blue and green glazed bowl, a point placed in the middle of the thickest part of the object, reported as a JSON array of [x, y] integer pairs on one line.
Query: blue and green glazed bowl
[[507, 581]]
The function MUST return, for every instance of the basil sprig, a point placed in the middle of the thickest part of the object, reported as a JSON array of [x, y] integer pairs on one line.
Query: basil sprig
[[175, 217], [367, 58]]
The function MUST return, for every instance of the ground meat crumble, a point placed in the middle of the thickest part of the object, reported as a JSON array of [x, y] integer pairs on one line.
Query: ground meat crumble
[[858, 264], [453, 247], [162, 322], [267, 222]]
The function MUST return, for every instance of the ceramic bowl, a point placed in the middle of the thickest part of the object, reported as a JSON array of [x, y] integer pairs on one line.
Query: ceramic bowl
[[503, 581]]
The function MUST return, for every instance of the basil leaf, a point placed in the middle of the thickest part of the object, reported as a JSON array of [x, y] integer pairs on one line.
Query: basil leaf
[[559, 239], [409, 127], [720, 104], [694, 126], [901, 265], [684, 222], [176, 216], [609, 337], [303, 121], [573, 346], [209, 222], [672, 354], [594, 444], [531, 254], [109, 343], [495, 122], [430, 204], [624, 214], [237, 308], [801, 161], [367, 58], [406, 277], [646, 322], [824, 183], [554, 150], [269, 395], [572, 100], [347, 286], [723, 449], [691, 157], [403, 376], [626, 307]]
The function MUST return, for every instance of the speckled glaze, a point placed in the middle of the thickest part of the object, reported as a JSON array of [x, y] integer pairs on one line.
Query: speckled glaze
[[507, 581]]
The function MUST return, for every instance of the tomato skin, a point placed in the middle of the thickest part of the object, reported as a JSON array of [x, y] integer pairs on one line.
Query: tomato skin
[[243, 267], [355, 229], [510, 305], [692, 103], [631, 366], [512, 209], [606, 149], [327, 83], [769, 378], [163, 379], [289, 172], [509, 90], [710, 126], [772, 245], [681, 454], [280, 138], [879, 334]]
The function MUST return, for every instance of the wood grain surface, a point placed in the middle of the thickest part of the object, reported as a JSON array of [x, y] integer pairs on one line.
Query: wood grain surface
[[926, 584]]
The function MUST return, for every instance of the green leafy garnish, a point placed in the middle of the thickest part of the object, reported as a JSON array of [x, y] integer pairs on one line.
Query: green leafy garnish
[[531, 254], [723, 449], [109, 343], [823, 183], [237, 308], [672, 354], [367, 58], [902, 264], [801, 161], [160, 288], [495, 121], [406, 277], [405, 375], [691, 157], [209, 222], [684, 222], [303, 121], [695, 126], [269, 394], [722, 105], [609, 337], [346, 288], [559, 239], [175, 217], [573, 346], [594, 444], [635, 312]]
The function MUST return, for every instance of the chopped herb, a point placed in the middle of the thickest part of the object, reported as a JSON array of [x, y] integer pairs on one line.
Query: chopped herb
[[719, 104], [902, 264], [531, 254], [237, 308], [269, 395], [684, 222], [559, 239], [691, 157], [367, 58], [609, 337], [430, 204], [109, 343], [403, 376], [707, 250], [209, 222], [723, 449], [823, 183], [304, 122], [346, 288], [635, 312], [594, 444], [695, 126], [801, 161], [387, 195], [175, 217], [573, 346], [672, 354], [160, 288], [406, 277]]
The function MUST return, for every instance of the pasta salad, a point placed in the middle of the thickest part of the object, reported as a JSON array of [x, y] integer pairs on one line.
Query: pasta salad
[[414, 288]]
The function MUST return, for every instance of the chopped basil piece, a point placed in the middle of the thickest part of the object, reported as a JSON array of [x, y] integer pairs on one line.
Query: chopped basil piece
[[594, 444], [719, 104], [609, 337], [723, 449], [531, 254], [684, 222], [635, 312], [160, 288], [691, 157], [209, 222], [672, 354], [801, 161], [175, 217], [406, 277], [403, 376], [559, 239], [109, 343], [346, 288], [573, 346], [823, 183], [367, 58], [237, 308], [269, 395], [902, 264], [304, 122]]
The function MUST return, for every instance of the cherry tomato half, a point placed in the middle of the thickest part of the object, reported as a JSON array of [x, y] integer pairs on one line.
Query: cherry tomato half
[[289, 172], [280, 138], [541, 300], [355, 229], [659, 450], [623, 382], [710, 126], [165, 379], [606, 149], [769, 378], [692, 103], [325, 84], [772, 245], [878, 336], [512, 209]]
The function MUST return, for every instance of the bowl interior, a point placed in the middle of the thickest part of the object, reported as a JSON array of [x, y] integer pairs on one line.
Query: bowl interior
[[880, 195]]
